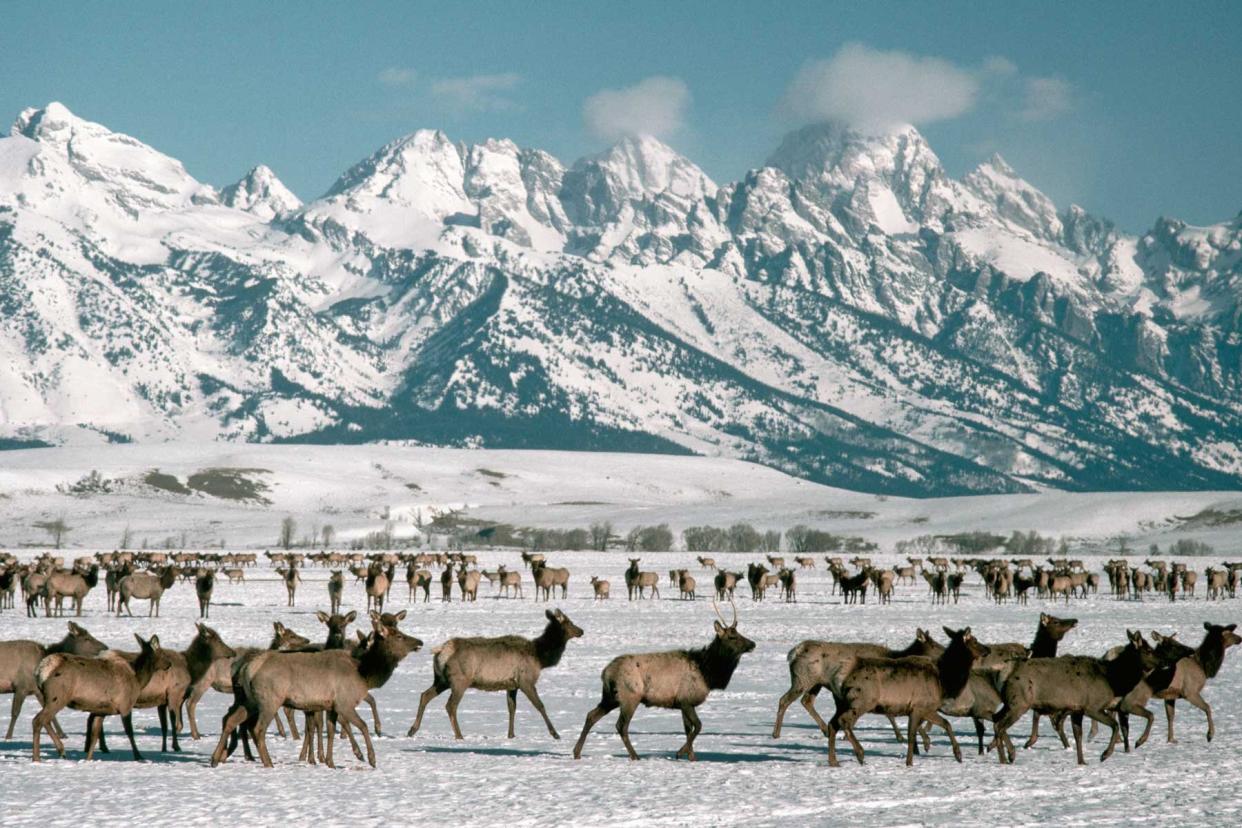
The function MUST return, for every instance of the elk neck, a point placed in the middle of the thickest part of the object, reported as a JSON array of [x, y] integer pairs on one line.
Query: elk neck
[[1125, 671], [550, 645], [716, 662], [954, 668], [1211, 653]]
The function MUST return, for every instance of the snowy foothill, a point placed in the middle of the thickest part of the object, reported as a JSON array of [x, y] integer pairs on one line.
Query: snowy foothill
[[743, 776]]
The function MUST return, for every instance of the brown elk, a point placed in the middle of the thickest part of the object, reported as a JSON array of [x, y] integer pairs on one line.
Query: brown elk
[[468, 581], [815, 665], [69, 584], [685, 585], [165, 690], [854, 587], [707, 563], [725, 583], [217, 674], [756, 576], [19, 660], [103, 686], [329, 681], [531, 558], [510, 581], [236, 575], [805, 563], [600, 587], [336, 591], [147, 586], [677, 680], [377, 587], [1192, 673], [291, 578], [204, 585], [789, 585], [446, 583], [637, 581], [913, 686], [1077, 685], [418, 579], [1216, 581], [510, 663], [548, 578]]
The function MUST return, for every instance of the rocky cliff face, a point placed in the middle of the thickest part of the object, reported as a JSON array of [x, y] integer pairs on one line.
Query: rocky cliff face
[[848, 312]]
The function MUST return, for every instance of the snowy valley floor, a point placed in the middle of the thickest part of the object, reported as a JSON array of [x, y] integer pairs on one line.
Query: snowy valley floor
[[743, 776]]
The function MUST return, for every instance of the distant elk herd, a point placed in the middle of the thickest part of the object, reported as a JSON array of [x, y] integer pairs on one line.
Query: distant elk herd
[[928, 683]]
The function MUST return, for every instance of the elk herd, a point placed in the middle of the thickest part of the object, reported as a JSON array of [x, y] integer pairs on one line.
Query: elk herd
[[931, 682]]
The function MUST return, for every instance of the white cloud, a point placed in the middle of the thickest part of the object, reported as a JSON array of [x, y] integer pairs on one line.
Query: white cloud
[[476, 93], [398, 77], [653, 106], [878, 90], [1045, 98]]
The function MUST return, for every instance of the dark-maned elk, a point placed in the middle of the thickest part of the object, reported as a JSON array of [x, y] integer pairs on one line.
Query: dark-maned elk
[[636, 581], [548, 578], [336, 591], [101, 686], [725, 583], [329, 681], [446, 583], [19, 659], [1169, 651], [219, 674], [854, 587], [377, 587], [906, 574], [676, 680], [913, 686], [600, 587], [69, 584], [147, 586], [508, 662], [418, 579], [292, 578], [204, 585], [707, 563], [815, 665], [789, 585], [207, 651], [884, 585], [1077, 685], [530, 558], [468, 582], [1192, 673], [685, 585], [1216, 581], [756, 576]]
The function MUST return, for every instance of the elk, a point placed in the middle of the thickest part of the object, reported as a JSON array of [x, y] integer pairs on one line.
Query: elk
[[600, 587], [531, 558], [1078, 685], [165, 690], [725, 583], [292, 578], [707, 563], [144, 585], [468, 581], [636, 581], [1169, 651], [328, 681], [62, 584], [1192, 673], [510, 663], [911, 686], [446, 584], [685, 585], [19, 660], [336, 591], [377, 587], [776, 561], [204, 585], [884, 585], [418, 579], [103, 686], [548, 578], [854, 587], [677, 680], [789, 585], [236, 575], [815, 665], [510, 581], [756, 576], [218, 673], [1216, 581], [805, 563]]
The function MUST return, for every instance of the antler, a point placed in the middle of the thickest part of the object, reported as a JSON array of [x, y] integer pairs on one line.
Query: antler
[[716, 607], [734, 624]]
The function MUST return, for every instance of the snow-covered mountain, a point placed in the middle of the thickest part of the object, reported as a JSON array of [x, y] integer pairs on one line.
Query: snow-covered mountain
[[848, 312]]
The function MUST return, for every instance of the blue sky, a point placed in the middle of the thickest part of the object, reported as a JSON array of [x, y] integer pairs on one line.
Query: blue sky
[[1133, 110]]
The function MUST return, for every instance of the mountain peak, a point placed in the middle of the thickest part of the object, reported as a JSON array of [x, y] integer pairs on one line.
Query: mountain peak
[[34, 122], [643, 164], [835, 153], [260, 192]]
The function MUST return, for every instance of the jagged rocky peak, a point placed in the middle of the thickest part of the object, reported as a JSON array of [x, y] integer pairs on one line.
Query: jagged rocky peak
[[1014, 199], [260, 192], [406, 170], [635, 169]]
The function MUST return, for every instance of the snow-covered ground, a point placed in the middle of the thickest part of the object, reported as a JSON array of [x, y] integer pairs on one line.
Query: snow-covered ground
[[743, 776], [358, 489]]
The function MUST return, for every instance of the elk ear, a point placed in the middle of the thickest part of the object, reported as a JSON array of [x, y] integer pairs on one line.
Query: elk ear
[[278, 627], [154, 643], [1044, 618], [399, 616], [950, 633], [1231, 627], [1207, 626], [353, 614], [548, 613], [720, 628], [322, 616], [362, 637]]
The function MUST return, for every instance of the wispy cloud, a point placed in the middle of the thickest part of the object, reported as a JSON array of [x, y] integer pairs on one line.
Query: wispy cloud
[[654, 106], [877, 90], [1045, 98], [398, 77], [476, 93]]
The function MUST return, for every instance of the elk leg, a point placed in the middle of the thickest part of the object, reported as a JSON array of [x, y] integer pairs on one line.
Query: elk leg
[[19, 697], [430, 693], [623, 728], [978, 731], [1076, 723], [191, 708], [163, 712], [293, 722], [280, 728], [532, 695], [1124, 719], [912, 726], [1149, 721], [892, 722], [831, 733], [258, 732], [451, 707], [369, 699], [331, 738], [103, 742], [349, 734], [808, 701], [1194, 698], [937, 719], [1170, 705], [94, 726], [606, 706], [128, 721], [1110, 720], [1059, 722], [351, 717], [1034, 737], [1005, 720], [690, 720], [233, 719], [781, 706], [511, 696], [846, 722]]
